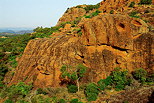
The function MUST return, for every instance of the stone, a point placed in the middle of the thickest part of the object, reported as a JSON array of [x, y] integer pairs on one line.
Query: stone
[[107, 41]]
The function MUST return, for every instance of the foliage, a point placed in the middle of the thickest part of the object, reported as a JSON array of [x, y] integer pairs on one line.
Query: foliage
[[134, 14], [41, 91], [120, 79], [8, 101], [62, 101], [22, 101], [41, 32], [15, 91], [132, 4], [91, 7], [146, 2], [112, 12], [64, 23], [93, 14], [150, 78], [72, 88], [42, 99], [78, 72], [91, 92], [140, 74], [75, 101], [103, 83]]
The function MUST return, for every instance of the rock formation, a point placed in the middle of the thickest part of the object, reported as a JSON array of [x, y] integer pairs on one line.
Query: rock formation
[[107, 41]]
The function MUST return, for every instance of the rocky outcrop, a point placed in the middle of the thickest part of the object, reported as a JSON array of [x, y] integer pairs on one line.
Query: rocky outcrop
[[107, 41], [71, 14], [117, 5], [139, 95]]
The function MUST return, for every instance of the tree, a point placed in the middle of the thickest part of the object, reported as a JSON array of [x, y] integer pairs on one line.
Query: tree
[[74, 74], [140, 74]]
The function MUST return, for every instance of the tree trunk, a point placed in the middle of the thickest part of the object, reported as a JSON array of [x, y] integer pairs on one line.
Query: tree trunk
[[78, 84]]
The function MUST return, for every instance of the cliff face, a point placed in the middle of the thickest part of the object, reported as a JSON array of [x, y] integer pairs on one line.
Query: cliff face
[[107, 41]]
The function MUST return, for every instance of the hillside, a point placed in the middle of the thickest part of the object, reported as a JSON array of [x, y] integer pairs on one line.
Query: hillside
[[99, 53]]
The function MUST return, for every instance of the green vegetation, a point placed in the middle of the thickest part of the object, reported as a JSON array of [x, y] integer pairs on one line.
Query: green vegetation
[[93, 14], [140, 74], [72, 88], [91, 92], [13, 47], [146, 2], [134, 14], [91, 7], [74, 74], [75, 101], [41, 32], [132, 4], [120, 79], [16, 92], [112, 12]]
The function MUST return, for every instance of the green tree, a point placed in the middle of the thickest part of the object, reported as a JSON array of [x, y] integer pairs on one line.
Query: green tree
[[147, 2], [74, 74], [91, 92], [140, 74]]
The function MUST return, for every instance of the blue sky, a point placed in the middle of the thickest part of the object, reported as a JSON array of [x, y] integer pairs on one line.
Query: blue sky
[[34, 13]]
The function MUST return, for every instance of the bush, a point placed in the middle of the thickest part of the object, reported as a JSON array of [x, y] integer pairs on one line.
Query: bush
[[140, 74], [103, 83], [41, 91], [42, 99], [75, 101], [132, 4], [72, 88], [91, 7], [134, 14], [120, 79], [93, 14], [112, 12], [146, 2], [91, 92], [150, 78], [15, 91], [62, 101], [8, 101]]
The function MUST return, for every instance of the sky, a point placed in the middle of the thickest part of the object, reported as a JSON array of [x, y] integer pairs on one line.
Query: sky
[[34, 13]]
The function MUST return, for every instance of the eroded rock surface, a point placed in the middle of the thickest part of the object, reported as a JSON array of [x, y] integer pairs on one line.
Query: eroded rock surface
[[107, 41]]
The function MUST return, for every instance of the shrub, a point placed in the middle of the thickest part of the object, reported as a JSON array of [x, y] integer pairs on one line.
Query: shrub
[[75, 101], [15, 91], [112, 12], [134, 14], [41, 91], [103, 83], [146, 2], [72, 88], [140, 74], [91, 92], [62, 101], [8, 101], [88, 16], [91, 7], [132, 4], [150, 78], [120, 79], [42, 99], [22, 101], [93, 14]]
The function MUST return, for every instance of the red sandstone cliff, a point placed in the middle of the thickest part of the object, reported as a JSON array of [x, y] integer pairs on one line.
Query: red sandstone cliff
[[107, 41]]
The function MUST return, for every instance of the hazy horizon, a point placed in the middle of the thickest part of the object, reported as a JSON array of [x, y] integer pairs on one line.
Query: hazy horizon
[[34, 13]]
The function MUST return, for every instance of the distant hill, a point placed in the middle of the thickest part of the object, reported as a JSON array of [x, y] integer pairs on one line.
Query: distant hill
[[6, 31], [14, 31]]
